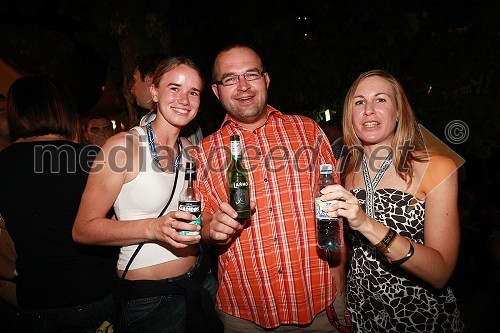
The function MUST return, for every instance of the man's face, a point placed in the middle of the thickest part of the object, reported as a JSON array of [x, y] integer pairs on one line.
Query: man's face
[[245, 100], [140, 90], [98, 131]]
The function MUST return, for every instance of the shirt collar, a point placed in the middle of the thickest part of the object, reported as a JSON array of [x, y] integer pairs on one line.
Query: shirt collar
[[271, 112]]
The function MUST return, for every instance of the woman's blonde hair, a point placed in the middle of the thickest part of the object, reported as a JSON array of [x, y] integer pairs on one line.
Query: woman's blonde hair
[[407, 144]]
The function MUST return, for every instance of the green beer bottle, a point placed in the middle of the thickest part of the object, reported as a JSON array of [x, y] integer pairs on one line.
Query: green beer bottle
[[237, 181]]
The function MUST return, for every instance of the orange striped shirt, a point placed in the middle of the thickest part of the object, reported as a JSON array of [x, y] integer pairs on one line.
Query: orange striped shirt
[[272, 273]]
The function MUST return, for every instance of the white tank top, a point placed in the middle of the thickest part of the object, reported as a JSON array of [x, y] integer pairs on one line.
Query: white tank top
[[144, 197]]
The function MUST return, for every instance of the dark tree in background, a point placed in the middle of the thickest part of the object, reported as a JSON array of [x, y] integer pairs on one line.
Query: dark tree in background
[[446, 53], [80, 42]]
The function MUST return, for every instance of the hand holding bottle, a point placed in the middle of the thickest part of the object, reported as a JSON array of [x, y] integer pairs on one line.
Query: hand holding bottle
[[328, 228], [165, 229], [224, 226], [234, 215], [347, 206]]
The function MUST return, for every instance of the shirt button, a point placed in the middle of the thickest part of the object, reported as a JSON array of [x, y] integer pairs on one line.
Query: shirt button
[[265, 180], [280, 271], [270, 209], [275, 239]]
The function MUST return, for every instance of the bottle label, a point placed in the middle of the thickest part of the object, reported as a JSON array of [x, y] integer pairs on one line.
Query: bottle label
[[320, 213], [193, 207], [240, 184], [239, 197], [235, 148]]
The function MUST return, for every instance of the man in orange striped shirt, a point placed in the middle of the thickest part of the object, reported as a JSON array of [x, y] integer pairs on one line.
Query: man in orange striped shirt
[[272, 275]]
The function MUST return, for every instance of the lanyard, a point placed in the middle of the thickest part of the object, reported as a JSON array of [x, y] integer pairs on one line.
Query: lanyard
[[152, 147], [372, 184]]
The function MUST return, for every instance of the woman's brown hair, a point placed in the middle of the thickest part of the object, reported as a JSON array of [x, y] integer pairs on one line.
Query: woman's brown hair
[[36, 105], [171, 63]]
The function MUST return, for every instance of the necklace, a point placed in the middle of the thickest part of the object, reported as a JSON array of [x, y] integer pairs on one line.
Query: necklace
[[154, 154]]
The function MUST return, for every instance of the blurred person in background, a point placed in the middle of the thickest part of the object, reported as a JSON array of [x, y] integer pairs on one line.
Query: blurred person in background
[[8, 302], [61, 285], [98, 129], [8, 276], [333, 131]]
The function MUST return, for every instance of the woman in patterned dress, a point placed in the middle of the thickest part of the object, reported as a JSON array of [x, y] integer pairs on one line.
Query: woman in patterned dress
[[400, 201]]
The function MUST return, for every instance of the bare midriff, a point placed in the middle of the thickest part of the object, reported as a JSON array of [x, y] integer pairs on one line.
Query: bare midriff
[[162, 271]]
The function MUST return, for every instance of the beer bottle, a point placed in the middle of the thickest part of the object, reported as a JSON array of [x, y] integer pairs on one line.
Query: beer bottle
[[237, 181], [190, 197]]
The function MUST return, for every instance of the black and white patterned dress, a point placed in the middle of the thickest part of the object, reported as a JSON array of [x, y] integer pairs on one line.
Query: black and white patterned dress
[[382, 297]]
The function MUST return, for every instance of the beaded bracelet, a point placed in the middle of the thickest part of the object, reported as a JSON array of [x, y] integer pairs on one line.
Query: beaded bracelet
[[384, 245], [406, 257]]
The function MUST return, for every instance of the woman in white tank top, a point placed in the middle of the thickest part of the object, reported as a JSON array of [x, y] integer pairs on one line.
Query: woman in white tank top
[[136, 174]]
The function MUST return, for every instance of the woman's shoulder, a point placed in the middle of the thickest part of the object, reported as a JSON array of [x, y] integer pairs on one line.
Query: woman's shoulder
[[122, 138], [436, 165], [433, 171]]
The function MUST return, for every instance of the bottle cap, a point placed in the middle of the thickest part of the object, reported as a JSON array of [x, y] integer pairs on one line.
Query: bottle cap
[[325, 168]]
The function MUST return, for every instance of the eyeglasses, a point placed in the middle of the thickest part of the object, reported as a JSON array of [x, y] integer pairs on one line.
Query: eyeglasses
[[235, 78]]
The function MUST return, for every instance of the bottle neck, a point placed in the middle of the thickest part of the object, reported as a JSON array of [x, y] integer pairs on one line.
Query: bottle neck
[[235, 158], [235, 150], [326, 179], [190, 184], [190, 176]]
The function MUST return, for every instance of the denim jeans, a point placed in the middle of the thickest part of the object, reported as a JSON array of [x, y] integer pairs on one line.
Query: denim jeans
[[165, 314], [82, 318]]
